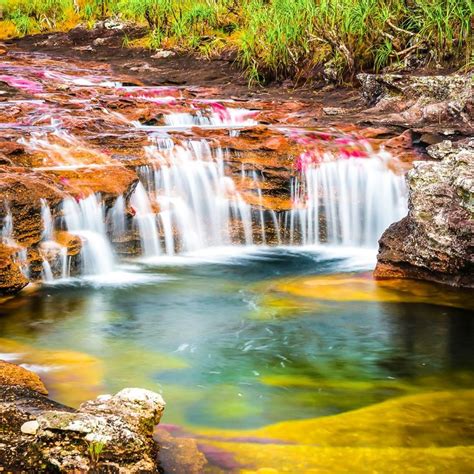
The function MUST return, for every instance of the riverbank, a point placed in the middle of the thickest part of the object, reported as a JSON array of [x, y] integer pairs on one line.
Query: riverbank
[[298, 39]]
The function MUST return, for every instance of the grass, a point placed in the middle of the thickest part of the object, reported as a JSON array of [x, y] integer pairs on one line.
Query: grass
[[277, 39]]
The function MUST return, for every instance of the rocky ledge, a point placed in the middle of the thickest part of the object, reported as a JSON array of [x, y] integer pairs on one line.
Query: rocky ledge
[[109, 434], [435, 241]]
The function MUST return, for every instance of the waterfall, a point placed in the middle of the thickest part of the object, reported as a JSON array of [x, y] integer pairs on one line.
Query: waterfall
[[188, 200], [55, 257], [7, 229], [47, 220], [145, 220], [20, 256], [218, 116], [86, 219], [347, 202], [197, 202], [117, 214]]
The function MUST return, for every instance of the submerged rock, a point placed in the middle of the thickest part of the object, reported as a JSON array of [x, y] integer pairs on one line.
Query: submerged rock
[[435, 241], [109, 434]]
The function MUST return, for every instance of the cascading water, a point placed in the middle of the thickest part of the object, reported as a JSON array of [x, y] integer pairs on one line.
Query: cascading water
[[7, 229], [346, 202], [185, 202], [20, 256], [145, 220], [55, 257], [86, 219], [218, 116], [197, 202]]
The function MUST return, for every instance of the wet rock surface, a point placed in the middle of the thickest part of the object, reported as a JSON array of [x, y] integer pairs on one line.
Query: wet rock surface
[[12, 280], [109, 434], [435, 241], [11, 374]]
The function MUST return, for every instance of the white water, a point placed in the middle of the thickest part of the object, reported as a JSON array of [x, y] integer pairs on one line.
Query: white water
[[86, 219], [347, 202], [187, 203], [220, 116], [198, 204], [7, 229], [145, 220], [47, 221], [20, 256]]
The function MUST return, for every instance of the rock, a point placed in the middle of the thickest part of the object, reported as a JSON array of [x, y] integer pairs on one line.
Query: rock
[[335, 110], [455, 88], [109, 434], [163, 53], [440, 150], [22, 194], [30, 427], [12, 279], [11, 374], [435, 241], [412, 100], [179, 455]]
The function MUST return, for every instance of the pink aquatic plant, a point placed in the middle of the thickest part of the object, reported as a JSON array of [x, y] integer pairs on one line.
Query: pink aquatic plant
[[221, 111], [21, 83], [353, 153]]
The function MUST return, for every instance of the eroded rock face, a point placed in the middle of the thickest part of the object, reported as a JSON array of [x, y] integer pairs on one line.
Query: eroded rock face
[[435, 241], [109, 434], [411, 100]]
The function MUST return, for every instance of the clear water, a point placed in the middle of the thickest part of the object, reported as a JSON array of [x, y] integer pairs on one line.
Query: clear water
[[229, 348]]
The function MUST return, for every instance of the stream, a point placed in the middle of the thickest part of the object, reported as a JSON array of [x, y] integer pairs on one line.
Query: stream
[[219, 253]]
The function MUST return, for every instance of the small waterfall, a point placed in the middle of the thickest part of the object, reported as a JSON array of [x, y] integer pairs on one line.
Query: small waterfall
[[117, 215], [145, 220], [7, 229], [55, 257], [20, 256], [217, 116], [47, 272], [47, 220], [347, 202], [197, 202], [86, 219]]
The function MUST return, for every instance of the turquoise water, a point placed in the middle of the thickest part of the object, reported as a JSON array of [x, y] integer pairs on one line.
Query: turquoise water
[[227, 350]]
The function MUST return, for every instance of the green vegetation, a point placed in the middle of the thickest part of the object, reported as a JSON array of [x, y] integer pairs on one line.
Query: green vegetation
[[275, 39]]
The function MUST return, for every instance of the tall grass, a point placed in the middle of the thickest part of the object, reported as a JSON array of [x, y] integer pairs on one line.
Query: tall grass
[[275, 39]]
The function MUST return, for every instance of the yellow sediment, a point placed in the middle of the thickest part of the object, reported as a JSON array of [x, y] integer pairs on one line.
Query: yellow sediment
[[70, 377], [431, 432], [365, 288]]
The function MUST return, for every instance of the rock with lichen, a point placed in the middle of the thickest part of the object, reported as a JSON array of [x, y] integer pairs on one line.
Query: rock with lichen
[[109, 434], [436, 240], [410, 100]]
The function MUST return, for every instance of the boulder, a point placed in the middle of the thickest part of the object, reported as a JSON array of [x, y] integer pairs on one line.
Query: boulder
[[437, 88], [435, 241], [109, 434]]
